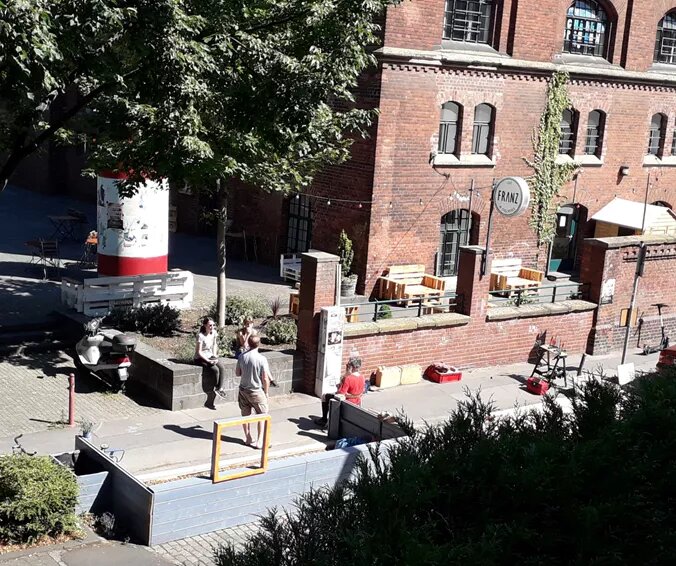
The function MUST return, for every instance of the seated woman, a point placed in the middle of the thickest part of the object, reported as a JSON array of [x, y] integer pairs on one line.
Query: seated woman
[[206, 353], [243, 335], [351, 387]]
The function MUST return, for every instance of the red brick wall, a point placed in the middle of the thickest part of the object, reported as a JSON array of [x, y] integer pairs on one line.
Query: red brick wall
[[656, 285], [478, 344]]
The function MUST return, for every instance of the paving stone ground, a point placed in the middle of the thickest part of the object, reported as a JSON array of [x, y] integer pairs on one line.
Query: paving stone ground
[[199, 550], [35, 395]]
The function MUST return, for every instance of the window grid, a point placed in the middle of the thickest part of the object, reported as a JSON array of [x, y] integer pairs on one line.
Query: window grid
[[448, 137], [594, 142], [567, 139], [665, 44], [656, 137], [586, 29], [299, 227], [481, 132], [455, 227], [468, 20]]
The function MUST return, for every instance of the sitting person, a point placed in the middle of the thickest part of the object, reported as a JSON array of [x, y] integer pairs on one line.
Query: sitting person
[[243, 335], [206, 353], [351, 387]]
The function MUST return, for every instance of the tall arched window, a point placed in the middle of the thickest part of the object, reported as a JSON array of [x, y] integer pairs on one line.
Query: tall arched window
[[587, 29], [665, 44], [470, 21], [456, 230], [483, 126], [568, 129], [449, 128], [658, 125], [595, 126]]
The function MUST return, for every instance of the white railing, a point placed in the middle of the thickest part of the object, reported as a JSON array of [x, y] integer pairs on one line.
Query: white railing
[[98, 296], [289, 267]]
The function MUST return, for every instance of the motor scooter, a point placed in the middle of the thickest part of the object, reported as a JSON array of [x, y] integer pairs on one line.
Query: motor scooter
[[664, 342], [106, 357]]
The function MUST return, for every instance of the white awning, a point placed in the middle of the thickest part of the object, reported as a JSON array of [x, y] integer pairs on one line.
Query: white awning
[[629, 214]]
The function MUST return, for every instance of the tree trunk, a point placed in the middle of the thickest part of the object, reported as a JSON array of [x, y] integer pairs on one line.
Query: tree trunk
[[220, 242]]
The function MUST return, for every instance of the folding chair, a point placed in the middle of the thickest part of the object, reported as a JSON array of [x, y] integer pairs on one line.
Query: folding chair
[[48, 255]]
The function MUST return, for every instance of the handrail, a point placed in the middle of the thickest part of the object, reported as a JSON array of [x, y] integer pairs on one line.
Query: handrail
[[533, 295], [434, 300]]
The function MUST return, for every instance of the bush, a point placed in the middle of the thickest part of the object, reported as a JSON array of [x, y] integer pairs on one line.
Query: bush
[[591, 487], [154, 320], [238, 307], [384, 311], [185, 352], [37, 498], [281, 331]]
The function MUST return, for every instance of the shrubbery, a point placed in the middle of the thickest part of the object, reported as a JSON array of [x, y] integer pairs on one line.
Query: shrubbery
[[592, 487], [153, 320], [238, 307], [281, 331], [37, 498]]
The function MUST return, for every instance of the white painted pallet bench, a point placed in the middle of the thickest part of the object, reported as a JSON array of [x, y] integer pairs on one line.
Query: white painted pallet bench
[[289, 267], [98, 296]]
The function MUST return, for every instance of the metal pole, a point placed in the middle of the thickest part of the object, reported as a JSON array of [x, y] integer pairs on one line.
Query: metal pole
[[639, 271], [484, 259], [71, 400], [471, 194], [645, 203]]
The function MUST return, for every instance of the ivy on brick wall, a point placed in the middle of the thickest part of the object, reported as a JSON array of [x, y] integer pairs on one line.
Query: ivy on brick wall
[[548, 176]]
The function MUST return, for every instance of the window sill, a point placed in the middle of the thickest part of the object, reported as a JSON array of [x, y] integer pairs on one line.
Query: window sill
[[448, 160], [581, 160], [582, 60], [472, 48], [654, 161], [663, 68]]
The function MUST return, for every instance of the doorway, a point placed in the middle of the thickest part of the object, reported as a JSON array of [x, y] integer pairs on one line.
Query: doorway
[[458, 228], [563, 251]]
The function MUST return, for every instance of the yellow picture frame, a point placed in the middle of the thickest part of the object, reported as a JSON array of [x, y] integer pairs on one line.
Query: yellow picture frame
[[219, 425]]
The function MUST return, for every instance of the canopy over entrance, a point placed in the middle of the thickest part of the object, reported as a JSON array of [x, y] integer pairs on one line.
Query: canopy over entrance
[[622, 217]]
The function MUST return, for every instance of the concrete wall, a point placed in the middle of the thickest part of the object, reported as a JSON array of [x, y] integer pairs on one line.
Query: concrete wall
[[177, 386]]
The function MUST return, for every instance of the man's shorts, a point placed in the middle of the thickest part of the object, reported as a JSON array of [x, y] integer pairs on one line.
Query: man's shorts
[[255, 400]]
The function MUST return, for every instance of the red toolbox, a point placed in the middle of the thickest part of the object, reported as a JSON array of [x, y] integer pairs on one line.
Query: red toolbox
[[441, 373], [537, 385]]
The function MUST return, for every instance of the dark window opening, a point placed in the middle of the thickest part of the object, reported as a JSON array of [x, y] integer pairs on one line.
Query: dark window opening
[[450, 125], [470, 21], [458, 228], [665, 44], [299, 231], [567, 139], [587, 29], [595, 126], [483, 125]]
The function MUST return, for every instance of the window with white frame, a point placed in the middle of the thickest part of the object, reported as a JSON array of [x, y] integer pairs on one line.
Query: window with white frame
[[665, 44], [595, 128], [658, 124], [483, 128], [568, 132], [450, 128]]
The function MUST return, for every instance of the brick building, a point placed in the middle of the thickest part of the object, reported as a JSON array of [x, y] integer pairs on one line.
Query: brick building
[[460, 88]]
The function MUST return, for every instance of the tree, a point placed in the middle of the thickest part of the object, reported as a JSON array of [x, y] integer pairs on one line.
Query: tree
[[592, 487], [212, 92]]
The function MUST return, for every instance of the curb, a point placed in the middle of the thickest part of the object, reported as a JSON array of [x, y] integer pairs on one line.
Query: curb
[[91, 538]]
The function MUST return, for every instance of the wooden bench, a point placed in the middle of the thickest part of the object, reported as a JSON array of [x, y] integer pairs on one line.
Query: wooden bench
[[408, 282], [508, 275]]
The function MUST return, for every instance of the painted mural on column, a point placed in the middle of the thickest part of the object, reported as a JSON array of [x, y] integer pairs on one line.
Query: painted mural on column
[[133, 231]]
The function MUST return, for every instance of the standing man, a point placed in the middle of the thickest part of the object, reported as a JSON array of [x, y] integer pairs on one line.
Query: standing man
[[351, 387], [254, 370]]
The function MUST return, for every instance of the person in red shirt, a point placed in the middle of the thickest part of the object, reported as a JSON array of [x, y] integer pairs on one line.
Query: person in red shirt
[[351, 387]]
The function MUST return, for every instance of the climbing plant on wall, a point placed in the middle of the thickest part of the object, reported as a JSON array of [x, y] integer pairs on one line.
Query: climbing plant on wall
[[548, 176]]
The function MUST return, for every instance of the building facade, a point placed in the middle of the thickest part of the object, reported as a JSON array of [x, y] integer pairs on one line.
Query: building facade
[[460, 88]]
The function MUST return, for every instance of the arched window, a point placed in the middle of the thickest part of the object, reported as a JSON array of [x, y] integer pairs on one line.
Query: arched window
[[470, 21], [587, 29], [568, 130], [449, 127], [658, 125], [595, 126], [483, 127], [665, 44]]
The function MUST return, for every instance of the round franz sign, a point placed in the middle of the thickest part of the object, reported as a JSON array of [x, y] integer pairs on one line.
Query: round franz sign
[[511, 196]]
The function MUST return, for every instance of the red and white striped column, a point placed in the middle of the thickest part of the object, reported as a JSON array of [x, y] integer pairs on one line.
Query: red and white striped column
[[133, 232]]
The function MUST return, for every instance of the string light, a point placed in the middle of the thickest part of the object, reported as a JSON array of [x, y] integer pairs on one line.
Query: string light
[[328, 203], [330, 200], [420, 203], [391, 205]]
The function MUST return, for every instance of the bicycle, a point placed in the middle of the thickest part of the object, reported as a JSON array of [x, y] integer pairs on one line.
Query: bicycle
[[19, 449], [664, 342]]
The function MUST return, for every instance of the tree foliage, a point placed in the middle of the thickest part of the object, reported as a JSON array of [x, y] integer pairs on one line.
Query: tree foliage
[[592, 487], [549, 175], [259, 91]]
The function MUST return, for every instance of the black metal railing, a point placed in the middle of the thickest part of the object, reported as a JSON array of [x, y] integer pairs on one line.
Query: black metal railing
[[374, 311], [544, 294]]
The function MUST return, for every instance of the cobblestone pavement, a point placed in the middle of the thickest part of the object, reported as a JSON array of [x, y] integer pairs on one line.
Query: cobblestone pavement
[[199, 550], [35, 395]]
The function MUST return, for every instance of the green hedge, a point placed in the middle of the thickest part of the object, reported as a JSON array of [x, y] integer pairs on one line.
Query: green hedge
[[37, 498]]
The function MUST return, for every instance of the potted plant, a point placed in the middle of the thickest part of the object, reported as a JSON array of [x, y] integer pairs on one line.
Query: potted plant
[[86, 428], [348, 282]]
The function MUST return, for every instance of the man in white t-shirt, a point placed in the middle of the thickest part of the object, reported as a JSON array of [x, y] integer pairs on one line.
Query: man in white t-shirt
[[254, 371]]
